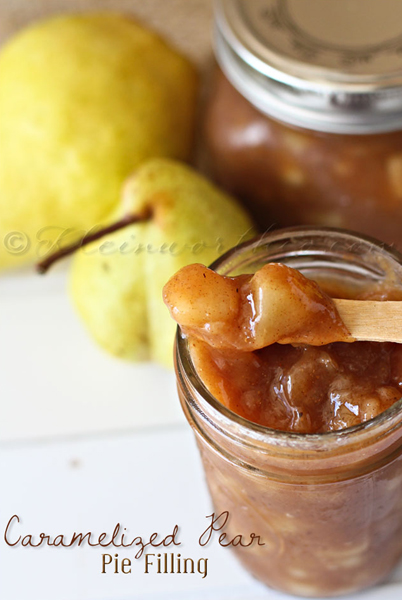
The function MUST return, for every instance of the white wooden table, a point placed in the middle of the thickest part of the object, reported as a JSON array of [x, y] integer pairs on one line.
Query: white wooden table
[[86, 442]]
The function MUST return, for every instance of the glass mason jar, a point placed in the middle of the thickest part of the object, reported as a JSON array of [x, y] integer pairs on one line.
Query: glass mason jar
[[328, 507], [304, 119]]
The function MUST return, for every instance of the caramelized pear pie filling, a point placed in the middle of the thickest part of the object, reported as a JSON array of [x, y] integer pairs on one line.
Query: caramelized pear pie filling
[[272, 348]]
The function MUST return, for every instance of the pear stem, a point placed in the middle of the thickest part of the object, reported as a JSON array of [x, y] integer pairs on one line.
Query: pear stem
[[44, 265]]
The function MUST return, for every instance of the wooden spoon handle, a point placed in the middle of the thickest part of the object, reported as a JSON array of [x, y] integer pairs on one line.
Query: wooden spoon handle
[[372, 320]]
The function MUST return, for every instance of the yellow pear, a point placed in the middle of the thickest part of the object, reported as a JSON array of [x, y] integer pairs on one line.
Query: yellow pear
[[84, 99], [116, 282]]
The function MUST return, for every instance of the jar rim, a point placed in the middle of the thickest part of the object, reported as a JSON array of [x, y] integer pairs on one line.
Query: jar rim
[[379, 426]]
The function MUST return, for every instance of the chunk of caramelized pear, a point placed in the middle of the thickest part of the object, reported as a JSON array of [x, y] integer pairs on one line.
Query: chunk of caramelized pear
[[275, 305]]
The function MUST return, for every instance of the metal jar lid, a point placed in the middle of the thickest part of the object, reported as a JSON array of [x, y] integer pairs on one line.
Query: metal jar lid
[[327, 65]]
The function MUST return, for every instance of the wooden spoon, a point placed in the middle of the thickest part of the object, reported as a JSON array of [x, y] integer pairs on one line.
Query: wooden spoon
[[373, 321]]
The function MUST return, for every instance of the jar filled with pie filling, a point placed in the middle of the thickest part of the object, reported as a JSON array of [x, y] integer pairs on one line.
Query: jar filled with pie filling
[[327, 505], [304, 117]]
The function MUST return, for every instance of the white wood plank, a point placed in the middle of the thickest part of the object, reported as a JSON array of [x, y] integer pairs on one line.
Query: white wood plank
[[56, 381]]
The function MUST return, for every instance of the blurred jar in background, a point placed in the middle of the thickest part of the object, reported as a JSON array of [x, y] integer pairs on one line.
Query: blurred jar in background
[[304, 116]]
